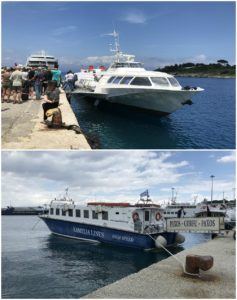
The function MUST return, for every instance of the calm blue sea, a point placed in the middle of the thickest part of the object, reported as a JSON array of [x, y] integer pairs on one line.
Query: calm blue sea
[[208, 123], [36, 264]]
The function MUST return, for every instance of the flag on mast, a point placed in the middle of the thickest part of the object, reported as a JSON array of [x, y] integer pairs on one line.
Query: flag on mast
[[145, 194]]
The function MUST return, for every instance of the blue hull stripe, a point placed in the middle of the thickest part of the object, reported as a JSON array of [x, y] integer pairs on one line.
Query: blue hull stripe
[[105, 235]]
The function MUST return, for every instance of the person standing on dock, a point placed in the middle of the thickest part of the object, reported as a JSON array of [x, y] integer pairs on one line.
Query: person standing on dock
[[47, 77], [6, 85], [16, 78], [51, 98], [56, 75], [39, 76], [31, 75], [181, 213]]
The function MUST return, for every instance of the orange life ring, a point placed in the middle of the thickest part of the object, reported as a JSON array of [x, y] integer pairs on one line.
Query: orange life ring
[[158, 216], [135, 216]]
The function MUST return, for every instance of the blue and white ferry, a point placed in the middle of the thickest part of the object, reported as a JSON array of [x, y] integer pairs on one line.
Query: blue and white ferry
[[139, 226]]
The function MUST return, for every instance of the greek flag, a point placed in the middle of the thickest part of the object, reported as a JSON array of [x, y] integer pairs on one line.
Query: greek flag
[[146, 193]]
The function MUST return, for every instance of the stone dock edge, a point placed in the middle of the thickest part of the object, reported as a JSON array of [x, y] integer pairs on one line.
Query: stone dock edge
[[166, 280]]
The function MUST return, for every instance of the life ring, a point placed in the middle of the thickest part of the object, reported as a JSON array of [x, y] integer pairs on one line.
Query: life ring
[[135, 216], [158, 216]]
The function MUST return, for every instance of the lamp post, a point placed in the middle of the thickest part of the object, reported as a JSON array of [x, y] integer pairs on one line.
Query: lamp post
[[212, 177], [172, 199]]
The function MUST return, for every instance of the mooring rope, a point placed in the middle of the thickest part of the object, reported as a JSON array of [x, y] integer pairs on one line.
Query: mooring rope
[[172, 255]]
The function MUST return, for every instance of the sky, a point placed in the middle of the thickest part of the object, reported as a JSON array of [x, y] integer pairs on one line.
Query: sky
[[36, 177], [158, 33]]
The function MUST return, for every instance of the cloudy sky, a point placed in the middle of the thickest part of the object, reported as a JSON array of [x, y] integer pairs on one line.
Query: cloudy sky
[[158, 33], [34, 178]]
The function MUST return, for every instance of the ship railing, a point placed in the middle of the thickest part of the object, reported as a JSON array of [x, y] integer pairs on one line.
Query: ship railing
[[153, 228]]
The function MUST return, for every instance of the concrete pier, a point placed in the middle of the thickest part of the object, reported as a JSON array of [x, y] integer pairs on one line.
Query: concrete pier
[[165, 279], [22, 127]]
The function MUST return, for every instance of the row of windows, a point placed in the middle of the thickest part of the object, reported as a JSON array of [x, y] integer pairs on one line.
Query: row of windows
[[126, 65], [86, 213], [143, 81]]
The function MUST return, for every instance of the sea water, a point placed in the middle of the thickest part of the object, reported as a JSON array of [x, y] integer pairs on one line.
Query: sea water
[[37, 264], [208, 123]]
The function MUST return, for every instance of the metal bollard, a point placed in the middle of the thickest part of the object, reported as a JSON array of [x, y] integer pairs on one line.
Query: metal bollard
[[196, 262]]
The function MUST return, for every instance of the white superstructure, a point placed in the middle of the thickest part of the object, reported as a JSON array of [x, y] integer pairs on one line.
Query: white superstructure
[[41, 60], [171, 210], [127, 82]]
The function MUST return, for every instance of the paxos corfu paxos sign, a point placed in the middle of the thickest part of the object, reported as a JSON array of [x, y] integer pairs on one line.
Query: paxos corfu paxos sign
[[209, 224]]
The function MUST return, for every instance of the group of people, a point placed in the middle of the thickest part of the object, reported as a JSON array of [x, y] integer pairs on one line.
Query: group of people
[[21, 83]]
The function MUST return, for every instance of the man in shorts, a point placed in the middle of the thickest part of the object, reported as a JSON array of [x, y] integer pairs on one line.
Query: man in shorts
[[31, 76], [16, 78], [6, 85]]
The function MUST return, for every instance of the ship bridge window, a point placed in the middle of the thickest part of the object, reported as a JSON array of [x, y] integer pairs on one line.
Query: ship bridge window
[[111, 79], [51, 211], [70, 212], [126, 80], [105, 215], [86, 214], [162, 81], [135, 65], [57, 211], [141, 81], [147, 215], [117, 79], [94, 215], [173, 82], [78, 213]]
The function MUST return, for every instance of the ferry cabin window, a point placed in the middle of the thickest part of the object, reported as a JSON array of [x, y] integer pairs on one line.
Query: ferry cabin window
[[117, 79], [105, 215], [126, 80], [63, 212], [94, 215], [86, 214], [111, 79], [78, 213], [51, 211], [160, 81], [147, 215], [141, 81], [70, 212], [57, 211], [173, 82]]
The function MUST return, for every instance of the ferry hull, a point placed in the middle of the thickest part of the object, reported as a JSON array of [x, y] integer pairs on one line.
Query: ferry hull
[[163, 102], [105, 235]]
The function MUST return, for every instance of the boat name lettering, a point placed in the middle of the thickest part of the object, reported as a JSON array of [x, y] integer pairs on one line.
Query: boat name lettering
[[123, 238], [90, 232]]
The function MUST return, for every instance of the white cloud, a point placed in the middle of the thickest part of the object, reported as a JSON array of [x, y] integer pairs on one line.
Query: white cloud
[[227, 158], [99, 59], [64, 30], [135, 17], [200, 58], [36, 177]]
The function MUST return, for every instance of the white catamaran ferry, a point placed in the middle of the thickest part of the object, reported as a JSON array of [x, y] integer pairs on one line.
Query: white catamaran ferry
[[126, 82], [41, 60], [139, 226]]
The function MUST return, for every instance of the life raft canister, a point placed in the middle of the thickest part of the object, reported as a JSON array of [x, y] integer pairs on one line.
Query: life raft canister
[[158, 216]]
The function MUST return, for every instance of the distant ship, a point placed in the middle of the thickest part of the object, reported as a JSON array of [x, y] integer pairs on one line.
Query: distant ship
[[13, 211], [138, 226], [41, 60]]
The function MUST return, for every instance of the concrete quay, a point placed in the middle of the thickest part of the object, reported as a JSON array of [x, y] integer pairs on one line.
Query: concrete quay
[[22, 127], [165, 279]]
